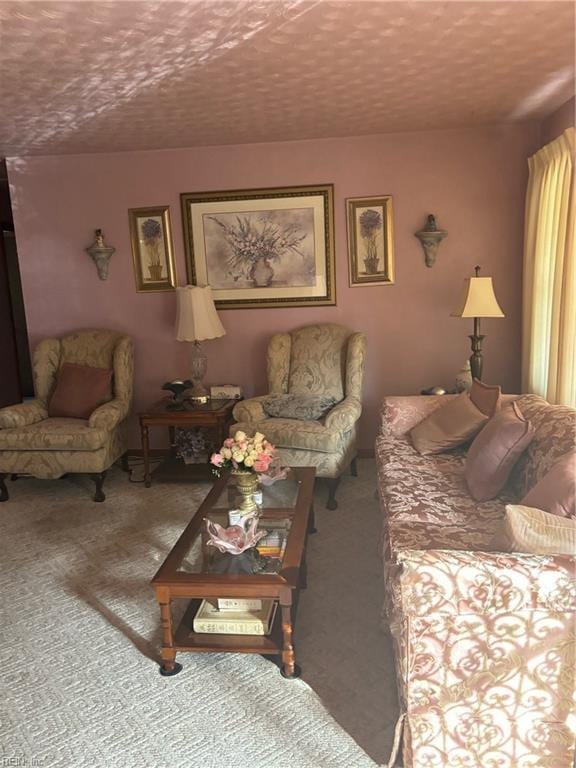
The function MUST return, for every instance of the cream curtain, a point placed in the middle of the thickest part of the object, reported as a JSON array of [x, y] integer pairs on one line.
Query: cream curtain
[[549, 285]]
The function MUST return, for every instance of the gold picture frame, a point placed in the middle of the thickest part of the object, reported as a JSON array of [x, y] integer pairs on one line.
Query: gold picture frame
[[262, 248], [152, 250], [370, 240]]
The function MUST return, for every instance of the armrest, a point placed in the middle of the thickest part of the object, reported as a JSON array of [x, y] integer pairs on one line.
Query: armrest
[[109, 415], [399, 413], [22, 415], [432, 582], [344, 414], [250, 410]]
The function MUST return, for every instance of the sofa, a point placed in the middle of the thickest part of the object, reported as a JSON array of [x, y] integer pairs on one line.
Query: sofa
[[484, 640]]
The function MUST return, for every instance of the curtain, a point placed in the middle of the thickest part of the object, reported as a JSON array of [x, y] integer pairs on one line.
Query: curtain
[[549, 280]]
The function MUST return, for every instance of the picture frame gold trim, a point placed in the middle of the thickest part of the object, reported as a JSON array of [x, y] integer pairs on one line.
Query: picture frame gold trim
[[151, 283], [207, 247], [376, 252]]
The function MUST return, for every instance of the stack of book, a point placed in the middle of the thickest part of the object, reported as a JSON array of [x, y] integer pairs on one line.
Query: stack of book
[[273, 544], [235, 616]]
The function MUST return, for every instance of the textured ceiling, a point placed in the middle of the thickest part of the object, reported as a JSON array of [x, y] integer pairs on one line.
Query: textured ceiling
[[110, 76]]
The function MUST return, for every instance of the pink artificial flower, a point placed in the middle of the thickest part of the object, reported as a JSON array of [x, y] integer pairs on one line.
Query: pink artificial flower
[[229, 442], [262, 463], [216, 459]]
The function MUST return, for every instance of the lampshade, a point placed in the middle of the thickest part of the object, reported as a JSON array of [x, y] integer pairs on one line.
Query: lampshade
[[196, 317], [478, 299]]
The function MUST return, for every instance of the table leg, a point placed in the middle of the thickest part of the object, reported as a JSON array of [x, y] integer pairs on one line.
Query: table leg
[[169, 664], [146, 455], [289, 668]]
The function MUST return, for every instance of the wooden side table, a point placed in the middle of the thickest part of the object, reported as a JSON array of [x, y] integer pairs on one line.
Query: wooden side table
[[215, 416]]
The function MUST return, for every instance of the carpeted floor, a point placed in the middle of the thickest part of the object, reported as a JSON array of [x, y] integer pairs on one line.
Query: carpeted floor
[[79, 641]]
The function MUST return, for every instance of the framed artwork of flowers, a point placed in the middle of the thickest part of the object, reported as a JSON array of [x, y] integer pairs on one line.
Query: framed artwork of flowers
[[370, 241], [152, 250], [262, 247]]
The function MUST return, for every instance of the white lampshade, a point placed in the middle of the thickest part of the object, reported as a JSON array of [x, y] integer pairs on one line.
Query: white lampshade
[[196, 317], [478, 299]]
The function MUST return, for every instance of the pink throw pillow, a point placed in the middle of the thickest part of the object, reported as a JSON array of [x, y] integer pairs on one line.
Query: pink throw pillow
[[80, 389], [556, 492], [486, 397], [494, 452]]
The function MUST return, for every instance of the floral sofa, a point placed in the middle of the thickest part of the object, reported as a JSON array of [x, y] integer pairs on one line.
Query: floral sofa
[[484, 641]]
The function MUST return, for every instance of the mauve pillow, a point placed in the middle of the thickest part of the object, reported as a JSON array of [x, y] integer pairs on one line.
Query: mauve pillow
[[448, 426], [486, 397], [494, 452], [556, 492], [80, 389]]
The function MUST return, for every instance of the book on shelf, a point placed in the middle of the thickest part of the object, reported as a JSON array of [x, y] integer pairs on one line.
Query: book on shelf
[[209, 620], [239, 604]]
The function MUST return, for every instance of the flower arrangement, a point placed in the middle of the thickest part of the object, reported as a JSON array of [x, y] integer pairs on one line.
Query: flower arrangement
[[152, 232], [243, 453], [370, 224], [252, 240]]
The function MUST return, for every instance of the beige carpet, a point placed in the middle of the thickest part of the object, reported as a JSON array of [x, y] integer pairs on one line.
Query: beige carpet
[[80, 637]]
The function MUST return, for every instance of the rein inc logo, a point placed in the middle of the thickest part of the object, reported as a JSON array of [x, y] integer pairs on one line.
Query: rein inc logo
[[20, 761]]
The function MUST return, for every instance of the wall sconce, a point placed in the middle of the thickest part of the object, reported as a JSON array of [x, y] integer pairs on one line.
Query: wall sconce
[[100, 254], [430, 237]]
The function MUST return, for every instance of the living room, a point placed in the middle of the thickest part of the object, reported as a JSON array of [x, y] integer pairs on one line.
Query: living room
[[115, 114]]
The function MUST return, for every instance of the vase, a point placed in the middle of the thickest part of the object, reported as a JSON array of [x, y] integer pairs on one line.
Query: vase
[[247, 483], [371, 266], [464, 378], [155, 272], [261, 273]]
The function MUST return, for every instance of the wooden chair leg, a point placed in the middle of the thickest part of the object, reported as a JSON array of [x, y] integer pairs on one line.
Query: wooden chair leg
[[354, 467], [4, 496], [98, 478], [332, 486]]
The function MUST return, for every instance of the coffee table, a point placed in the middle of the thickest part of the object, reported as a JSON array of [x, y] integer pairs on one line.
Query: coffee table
[[186, 574]]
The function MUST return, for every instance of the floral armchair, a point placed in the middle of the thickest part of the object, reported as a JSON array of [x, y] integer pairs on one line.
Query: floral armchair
[[326, 360], [32, 443]]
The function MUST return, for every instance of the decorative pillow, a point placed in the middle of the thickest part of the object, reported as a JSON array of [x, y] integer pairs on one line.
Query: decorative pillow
[[556, 492], [80, 389], [448, 426], [494, 452], [539, 533], [486, 397], [303, 407]]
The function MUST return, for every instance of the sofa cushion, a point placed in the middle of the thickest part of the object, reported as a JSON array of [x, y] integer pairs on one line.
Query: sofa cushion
[[486, 397], [430, 489], [556, 492], [494, 452], [539, 533], [80, 389], [302, 407], [291, 433], [448, 427], [53, 434]]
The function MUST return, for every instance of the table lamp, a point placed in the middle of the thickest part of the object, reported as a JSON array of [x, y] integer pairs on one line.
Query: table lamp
[[196, 321], [478, 300]]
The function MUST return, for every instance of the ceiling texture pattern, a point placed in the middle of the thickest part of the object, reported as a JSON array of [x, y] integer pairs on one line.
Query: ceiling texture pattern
[[111, 76]]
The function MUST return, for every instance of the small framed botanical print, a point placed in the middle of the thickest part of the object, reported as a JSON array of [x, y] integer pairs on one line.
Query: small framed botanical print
[[152, 250], [370, 241]]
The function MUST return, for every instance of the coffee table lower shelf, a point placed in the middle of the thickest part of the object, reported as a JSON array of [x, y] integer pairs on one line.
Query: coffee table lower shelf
[[186, 640]]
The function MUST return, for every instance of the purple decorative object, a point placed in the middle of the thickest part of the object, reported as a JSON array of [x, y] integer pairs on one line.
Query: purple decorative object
[[236, 538]]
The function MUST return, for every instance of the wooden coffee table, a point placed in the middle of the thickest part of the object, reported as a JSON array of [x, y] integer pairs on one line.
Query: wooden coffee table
[[186, 575]]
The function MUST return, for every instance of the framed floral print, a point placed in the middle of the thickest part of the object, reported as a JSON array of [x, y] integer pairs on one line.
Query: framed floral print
[[262, 247], [152, 250], [370, 241]]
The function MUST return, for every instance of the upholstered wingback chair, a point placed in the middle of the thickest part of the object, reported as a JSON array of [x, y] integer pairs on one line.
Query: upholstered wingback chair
[[32, 443], [326, 360]]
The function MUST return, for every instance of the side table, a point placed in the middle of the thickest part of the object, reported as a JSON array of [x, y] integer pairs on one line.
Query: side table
[[215, 416]]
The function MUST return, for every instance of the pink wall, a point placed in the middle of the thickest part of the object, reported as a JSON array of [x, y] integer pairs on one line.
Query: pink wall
[[558, 121], [473, 180]]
